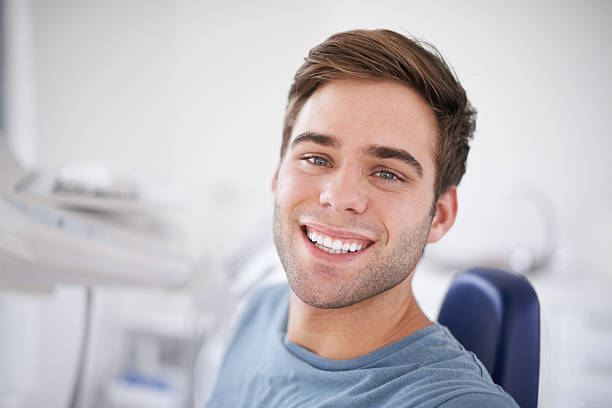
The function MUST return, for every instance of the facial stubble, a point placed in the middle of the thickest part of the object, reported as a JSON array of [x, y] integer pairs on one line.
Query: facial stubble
[[318, 285]]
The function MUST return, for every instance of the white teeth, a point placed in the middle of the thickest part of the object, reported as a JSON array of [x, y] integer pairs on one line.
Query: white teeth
[[327, 242], [339, 251], [333, 246], [329, 251]]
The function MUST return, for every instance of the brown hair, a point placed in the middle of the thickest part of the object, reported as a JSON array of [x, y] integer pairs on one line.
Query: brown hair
[[387, 55]]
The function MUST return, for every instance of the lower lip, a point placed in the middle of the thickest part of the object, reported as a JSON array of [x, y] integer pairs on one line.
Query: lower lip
[[326, 256]]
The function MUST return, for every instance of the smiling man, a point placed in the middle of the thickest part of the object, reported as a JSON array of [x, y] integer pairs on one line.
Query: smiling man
[[375, 142]]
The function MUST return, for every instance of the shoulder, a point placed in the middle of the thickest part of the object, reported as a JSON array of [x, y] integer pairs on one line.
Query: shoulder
[[265, 305], [253, 341], [267, 299], [440, 368], [445, 351], [479, 399]]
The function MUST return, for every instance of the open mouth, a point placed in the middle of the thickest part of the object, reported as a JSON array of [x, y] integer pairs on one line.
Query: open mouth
[[334, 245]]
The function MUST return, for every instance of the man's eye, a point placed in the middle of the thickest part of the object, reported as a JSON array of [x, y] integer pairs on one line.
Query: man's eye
[[387, 175], [318, 161]]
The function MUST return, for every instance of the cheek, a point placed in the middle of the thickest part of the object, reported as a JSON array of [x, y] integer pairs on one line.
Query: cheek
[[399, 212], [293, 187]]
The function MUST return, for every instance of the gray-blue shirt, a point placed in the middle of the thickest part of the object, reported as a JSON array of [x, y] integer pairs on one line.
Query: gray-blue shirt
[[429, 368]]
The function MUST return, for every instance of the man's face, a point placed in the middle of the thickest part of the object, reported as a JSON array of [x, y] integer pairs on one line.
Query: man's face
[[354, 191]]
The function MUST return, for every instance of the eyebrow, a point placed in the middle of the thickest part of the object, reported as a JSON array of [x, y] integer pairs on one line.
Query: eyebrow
[[315, 138], [383, 152]]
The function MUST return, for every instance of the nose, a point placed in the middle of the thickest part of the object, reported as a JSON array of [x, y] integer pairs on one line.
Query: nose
[[343, 191]]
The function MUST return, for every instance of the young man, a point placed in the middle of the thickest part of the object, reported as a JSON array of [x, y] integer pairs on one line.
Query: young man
[[374, 144]]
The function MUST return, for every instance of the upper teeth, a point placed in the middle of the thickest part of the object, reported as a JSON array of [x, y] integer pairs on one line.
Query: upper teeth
[[334, 246]]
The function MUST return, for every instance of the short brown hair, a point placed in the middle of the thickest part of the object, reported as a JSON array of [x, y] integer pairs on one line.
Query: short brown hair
[[387, 55]]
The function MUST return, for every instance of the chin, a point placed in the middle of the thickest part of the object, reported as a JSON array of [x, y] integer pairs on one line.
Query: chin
[[329, 293]]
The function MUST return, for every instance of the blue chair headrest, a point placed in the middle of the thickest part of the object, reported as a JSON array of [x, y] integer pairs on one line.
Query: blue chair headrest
[[496, 315]]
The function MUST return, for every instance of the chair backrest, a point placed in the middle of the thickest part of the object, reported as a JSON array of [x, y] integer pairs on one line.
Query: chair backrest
[[496, 315]]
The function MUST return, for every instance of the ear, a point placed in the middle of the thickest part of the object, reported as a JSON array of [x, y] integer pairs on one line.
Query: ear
[[446, 212]]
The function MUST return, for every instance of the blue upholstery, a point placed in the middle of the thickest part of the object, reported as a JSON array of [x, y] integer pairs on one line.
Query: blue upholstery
[[496, 315]]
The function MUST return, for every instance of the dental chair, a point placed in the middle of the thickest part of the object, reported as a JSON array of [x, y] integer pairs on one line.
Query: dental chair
[[496, 315]]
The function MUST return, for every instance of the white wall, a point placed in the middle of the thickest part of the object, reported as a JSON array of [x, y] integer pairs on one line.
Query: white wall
[[195, 91]]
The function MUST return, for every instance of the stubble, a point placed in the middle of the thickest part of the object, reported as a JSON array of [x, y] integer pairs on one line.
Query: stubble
[[319, 286]]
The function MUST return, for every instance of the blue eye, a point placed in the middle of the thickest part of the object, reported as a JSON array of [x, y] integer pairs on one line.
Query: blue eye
[[318, 161], [387, 175]]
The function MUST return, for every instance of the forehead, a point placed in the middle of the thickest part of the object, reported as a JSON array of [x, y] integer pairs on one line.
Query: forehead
[[362, 113]]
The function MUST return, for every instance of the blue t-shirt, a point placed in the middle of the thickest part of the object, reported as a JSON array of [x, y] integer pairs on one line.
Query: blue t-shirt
[[429, 368]]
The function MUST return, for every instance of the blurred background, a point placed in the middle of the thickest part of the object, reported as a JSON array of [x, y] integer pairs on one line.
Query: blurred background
[[174, 110]]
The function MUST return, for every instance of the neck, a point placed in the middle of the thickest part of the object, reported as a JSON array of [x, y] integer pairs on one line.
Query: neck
[[340, 334]]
